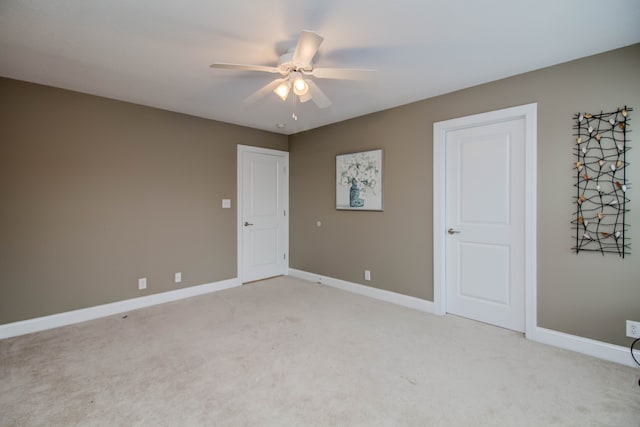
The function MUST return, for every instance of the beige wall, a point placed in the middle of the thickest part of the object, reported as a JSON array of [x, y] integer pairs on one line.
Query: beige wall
[[96, 193], [587, 295]]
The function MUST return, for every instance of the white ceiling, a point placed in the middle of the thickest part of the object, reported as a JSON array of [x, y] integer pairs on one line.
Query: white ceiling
[[157, 52]]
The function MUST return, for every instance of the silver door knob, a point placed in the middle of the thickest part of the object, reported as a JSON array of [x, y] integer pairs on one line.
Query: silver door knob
[[452, 231], [246, 224]]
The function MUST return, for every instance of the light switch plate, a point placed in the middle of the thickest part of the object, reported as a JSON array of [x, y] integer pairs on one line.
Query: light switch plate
[[226, 203]]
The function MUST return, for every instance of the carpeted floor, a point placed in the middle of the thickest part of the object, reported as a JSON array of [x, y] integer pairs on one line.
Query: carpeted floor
[[285, 352]]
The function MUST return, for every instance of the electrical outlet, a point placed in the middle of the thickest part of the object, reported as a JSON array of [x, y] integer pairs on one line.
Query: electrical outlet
[[633, 329], [142, 283], [178, 277], [367, 275]]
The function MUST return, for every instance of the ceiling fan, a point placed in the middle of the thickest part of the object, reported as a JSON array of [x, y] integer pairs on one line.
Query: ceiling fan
[[296, 67]]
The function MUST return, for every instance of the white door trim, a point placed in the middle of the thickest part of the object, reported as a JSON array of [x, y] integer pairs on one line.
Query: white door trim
[[239, 184], [440, 129]]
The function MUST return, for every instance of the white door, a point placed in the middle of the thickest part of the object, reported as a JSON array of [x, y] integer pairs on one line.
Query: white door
[[263, 218], [485, 223]]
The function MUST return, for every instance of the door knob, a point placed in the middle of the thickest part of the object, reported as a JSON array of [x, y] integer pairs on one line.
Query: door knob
[[247, 223], [452, 231]]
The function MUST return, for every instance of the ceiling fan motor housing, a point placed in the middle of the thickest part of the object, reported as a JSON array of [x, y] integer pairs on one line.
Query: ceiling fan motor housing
[[286, 64]]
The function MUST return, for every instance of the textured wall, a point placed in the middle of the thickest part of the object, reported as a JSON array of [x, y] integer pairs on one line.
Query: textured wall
[[96, 193], [587, 295]]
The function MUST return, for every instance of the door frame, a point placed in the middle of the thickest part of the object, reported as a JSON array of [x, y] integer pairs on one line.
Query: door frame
[[440, 129], [239, 197]]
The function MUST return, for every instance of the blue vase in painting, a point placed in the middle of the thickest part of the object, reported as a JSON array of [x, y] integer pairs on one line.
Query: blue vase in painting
[[354, 195]]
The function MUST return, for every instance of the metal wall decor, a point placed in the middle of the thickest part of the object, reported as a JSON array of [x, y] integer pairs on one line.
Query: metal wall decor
[[601, 146]]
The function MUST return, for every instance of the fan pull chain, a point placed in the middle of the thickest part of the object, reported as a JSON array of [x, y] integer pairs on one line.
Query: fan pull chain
[[293, 114]]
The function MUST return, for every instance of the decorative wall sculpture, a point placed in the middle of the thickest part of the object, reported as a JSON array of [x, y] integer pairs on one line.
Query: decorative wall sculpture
[[601, 146]]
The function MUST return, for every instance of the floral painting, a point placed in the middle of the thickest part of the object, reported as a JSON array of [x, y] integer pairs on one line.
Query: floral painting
[[359, 181]]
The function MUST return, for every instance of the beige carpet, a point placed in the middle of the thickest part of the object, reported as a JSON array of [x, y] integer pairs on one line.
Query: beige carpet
[[285, 352]]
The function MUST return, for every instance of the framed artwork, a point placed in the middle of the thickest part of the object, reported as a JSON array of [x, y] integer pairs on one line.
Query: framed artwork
[[359, 181]]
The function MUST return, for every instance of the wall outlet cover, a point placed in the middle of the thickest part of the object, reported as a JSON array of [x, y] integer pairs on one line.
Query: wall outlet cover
[[142, 283], [633, 329]]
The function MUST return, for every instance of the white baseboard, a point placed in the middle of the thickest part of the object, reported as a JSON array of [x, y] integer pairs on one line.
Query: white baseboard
[[599, 349], [76, 316], [368, 291]]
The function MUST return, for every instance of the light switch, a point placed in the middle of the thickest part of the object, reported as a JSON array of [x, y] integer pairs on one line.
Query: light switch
[[226, 203]]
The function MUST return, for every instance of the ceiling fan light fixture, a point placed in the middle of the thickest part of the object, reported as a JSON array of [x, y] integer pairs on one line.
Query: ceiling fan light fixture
[[300, 87], [282, 90]]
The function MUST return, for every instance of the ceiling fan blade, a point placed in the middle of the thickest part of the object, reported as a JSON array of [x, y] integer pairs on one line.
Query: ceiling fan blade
[[308, 44], [317, 95], [263, 91], [247, 67], [344, 73]]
